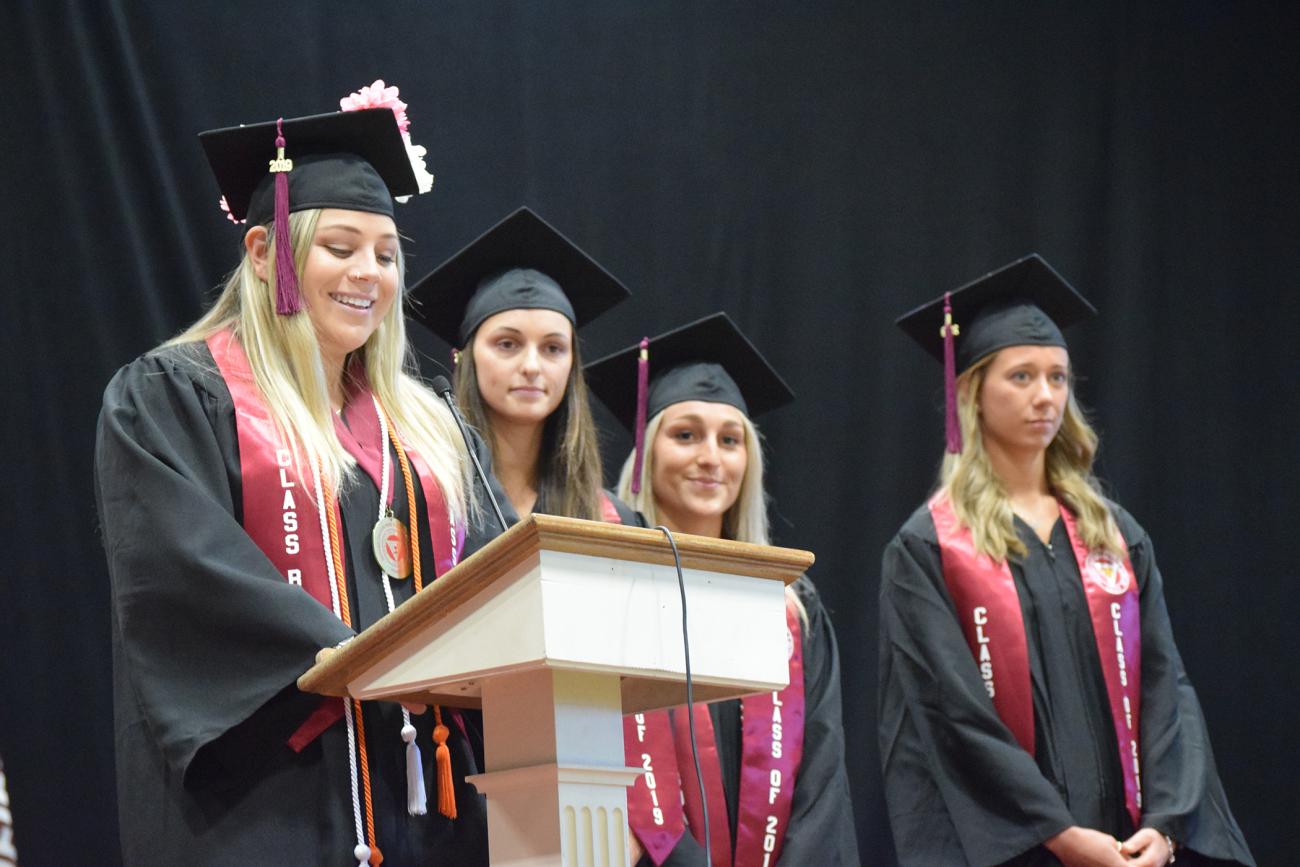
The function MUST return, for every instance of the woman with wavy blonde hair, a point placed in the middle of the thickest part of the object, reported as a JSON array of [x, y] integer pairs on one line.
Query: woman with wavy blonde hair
[[1030, 688], [270, 482], [698, 468]]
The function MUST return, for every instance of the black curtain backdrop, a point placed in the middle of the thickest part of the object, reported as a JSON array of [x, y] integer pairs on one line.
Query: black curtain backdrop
[[814, 169]]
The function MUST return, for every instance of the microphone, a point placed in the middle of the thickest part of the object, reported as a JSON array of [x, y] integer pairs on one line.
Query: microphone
[[442, 388]]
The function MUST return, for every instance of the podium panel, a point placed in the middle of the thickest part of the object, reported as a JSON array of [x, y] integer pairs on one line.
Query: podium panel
[[557, 629]]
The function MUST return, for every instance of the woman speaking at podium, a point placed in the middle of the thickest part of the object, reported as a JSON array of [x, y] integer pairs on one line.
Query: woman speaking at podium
[[269, 483], [514, 300], [772, 764], [1033, 706]]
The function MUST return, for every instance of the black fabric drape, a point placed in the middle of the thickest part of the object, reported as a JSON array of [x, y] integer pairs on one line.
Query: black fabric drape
[[814, 169]]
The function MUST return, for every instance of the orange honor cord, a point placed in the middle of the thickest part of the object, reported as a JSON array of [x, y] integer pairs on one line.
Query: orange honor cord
[[442, 755], [376, 857], [340, 577], [411, 517]]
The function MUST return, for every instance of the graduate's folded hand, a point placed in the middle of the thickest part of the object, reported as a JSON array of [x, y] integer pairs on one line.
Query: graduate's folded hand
[[1084, 847], [1146, 848]]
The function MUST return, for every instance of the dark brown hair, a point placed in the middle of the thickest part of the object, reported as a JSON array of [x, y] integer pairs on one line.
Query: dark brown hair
[[569, 474]]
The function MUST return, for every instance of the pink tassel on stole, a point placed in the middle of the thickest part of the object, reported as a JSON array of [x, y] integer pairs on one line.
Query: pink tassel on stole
[[952, 425], [642, 396], [288, 300]]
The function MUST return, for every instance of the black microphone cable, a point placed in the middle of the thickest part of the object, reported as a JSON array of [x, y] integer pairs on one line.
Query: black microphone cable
[[442, 388], [690, 695]]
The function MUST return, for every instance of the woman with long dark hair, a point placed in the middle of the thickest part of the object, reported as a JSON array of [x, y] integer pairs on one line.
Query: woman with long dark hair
[[512, 303], [1033, 706]]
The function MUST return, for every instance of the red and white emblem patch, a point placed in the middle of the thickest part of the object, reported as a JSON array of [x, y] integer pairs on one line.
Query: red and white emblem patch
[[1108, 573]]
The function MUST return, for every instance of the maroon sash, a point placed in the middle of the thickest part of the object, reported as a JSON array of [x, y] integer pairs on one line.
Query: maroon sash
[[771, 749], [657, 821], [608, 511], [654, 801], [1110, 585], [988, 608], [279, 509], [989, 611]]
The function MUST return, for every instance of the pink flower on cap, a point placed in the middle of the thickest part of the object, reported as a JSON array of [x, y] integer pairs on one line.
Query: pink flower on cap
[[377, 96], [229, 216]]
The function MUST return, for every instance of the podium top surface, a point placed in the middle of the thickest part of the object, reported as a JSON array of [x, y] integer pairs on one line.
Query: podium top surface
[[527, 539]]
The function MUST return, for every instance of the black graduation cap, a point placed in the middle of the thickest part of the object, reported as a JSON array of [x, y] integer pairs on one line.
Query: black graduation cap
[[521, 262], [355, 160], [709, 360], [1024, 303]]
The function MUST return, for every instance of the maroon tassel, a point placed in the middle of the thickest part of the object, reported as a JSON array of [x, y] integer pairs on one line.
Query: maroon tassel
[[952, 425], [642, 395], [288, 300]]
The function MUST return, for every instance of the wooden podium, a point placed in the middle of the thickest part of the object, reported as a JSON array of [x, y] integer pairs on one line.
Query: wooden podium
[[556, 629]]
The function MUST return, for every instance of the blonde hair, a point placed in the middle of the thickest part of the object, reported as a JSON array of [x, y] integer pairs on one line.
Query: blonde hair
[[980, 500], [569, 472], [745, 521], [285, 358]]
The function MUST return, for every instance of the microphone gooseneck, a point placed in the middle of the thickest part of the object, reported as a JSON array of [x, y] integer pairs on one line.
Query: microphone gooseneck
[[442, 388]]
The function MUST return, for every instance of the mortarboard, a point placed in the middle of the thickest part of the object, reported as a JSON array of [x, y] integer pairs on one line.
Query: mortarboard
[[521, 262], [1025, 303], [356, 159], [709, 360]]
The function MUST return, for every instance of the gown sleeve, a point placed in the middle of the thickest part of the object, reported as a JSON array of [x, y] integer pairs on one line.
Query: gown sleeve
[[209, 637], [1182, 794], [960, 789], [821, 829]]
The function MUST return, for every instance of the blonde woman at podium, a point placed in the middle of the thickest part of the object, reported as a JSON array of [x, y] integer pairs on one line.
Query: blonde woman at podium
[[513, 301], [772, 764], [1033, 706], [269, 483]]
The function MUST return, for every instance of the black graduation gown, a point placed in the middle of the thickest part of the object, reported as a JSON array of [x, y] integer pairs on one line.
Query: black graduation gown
[[961, 790], [820, 830], [209, 639]]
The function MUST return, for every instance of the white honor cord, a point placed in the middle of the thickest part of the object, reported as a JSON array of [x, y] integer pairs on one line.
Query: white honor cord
[[347, 705], [416, 804], [385, 464]]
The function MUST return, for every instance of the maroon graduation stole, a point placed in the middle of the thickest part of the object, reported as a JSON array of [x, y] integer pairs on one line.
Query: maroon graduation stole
[[657, 821], [988, 609], [280, 513], [771, 750], [608, 511], [654, 801]]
